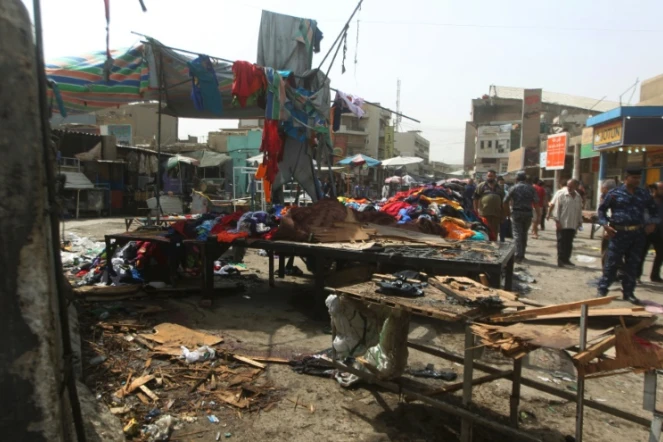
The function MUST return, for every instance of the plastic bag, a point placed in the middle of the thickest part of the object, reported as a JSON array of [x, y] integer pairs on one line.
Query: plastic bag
[[160, 430], [204, 353]]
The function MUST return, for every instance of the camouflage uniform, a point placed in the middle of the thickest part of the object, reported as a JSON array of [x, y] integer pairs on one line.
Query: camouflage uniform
[[626, 210]]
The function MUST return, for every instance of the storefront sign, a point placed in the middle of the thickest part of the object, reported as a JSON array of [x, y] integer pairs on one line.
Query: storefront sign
[[609, 135], [587, 144], [556, 146], [542, 159], [516, 159], [654, 158]]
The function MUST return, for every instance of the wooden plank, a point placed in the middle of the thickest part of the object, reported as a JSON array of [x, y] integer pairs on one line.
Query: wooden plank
[[601, 346], [136, 383], [149, 393], [249, 361], [174, 335], [433, 313], [558, 308], [477, 381], [635, 312]]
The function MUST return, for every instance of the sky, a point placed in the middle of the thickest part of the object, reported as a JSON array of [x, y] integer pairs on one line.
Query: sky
[[445, 52]]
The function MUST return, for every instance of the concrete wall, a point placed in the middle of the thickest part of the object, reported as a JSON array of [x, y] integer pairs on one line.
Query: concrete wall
[[651, 92], [470, 145], [143, 119]]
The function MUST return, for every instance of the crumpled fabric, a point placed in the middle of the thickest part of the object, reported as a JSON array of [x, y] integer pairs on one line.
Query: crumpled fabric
[[205, 86], [248, 80], [352, 103], [394, 207], [456, 232]]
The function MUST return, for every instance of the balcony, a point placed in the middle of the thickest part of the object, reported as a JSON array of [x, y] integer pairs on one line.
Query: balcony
[[353, 129]]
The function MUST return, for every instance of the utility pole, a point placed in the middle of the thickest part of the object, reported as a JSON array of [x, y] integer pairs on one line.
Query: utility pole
[[399, 117]]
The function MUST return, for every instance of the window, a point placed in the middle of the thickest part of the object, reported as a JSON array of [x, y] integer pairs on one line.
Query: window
[[503, 167], [482, 144], [508, 144], [490, 144]]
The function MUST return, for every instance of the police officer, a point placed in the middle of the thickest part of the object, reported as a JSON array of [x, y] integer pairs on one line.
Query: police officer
[[627, 231]]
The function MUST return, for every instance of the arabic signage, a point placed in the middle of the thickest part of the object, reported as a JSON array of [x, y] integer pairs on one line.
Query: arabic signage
[[556, 146], [609, 135], [587, 144], [655, 158]]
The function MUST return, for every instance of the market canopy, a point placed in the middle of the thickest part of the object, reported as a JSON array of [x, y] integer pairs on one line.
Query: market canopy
[[208, 158], [405, 179], [359, 160], [401, 161], [175, 160]]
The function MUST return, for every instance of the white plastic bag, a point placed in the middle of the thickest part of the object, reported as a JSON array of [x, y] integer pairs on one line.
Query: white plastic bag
[[204, 353]]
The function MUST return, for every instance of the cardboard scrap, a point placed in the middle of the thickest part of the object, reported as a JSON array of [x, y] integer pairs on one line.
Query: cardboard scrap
[[232, 399]]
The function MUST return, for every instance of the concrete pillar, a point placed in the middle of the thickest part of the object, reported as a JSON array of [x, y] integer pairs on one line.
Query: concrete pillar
[[603, 172], [33, 406], [576, 162], [558, 177]]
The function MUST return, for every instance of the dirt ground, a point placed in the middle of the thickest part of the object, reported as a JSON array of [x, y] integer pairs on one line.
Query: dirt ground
[[280, 321]]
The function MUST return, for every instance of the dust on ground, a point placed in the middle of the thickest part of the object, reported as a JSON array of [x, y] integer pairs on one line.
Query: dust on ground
[[280, 321]]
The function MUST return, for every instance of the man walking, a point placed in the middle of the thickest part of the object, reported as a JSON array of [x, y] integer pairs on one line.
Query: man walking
[[522, 196], [538, 207], [627, 231], [655, 238], [488, 199], [567, 213]]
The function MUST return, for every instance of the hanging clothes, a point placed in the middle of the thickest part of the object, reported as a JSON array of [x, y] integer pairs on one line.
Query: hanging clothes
[[272, 147], [248, 81], [350, 103], [205, 86], [261, 174], [275, 103]]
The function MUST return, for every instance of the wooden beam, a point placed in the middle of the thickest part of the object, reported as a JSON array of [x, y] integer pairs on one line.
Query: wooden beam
[[478, 381], [249, 361], [552, 309], [597, 349]]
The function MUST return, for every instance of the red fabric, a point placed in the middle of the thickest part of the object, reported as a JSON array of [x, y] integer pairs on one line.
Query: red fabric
[[248, 79], [269, 236], [541, 193], [394, 207], [179, 227], [272, 147], [230, 237], [492, 236]]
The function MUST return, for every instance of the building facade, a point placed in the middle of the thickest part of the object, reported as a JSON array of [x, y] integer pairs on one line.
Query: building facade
[[368, 135], [496, 129], [413, 144]]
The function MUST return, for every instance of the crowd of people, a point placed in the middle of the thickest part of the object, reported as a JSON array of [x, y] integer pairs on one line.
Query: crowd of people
[[631, 216]]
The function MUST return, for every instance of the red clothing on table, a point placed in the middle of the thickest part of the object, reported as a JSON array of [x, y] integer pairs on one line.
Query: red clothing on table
[[272, 147], [395, 207]]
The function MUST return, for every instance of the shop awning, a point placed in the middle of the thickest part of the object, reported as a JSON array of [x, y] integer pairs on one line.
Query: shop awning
[[208, 158], [77, 181]]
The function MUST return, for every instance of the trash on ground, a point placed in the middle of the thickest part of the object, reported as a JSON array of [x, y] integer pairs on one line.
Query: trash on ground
[[160, 430], [213, 419], [585, 259], [430, 373], [203, 353]]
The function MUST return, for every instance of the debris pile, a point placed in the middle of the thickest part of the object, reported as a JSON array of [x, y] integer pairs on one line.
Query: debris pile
[[157, 378]]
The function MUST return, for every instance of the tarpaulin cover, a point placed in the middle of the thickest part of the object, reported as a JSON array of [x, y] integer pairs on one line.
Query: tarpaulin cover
[[209, 159], [82, 79]]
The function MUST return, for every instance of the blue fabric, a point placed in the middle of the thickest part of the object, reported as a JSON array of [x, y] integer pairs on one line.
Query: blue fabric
[[404, 217], [58, 98], [205, 86], [478, 236], [624, 247], [627, 209]]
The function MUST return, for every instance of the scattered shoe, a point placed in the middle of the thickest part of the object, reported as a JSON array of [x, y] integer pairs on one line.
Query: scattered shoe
[[632, 299]]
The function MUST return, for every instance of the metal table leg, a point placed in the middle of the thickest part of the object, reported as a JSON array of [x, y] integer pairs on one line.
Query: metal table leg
[[508, 277], [514, 400], [580, 402], [270, 257], [468, 368], [281, 266], [649, 404]]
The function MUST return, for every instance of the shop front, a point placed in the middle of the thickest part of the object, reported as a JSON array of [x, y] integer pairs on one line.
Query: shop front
[[626, 137]]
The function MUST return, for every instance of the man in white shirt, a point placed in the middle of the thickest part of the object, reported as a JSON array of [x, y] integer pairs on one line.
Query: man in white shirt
[[567, 213]]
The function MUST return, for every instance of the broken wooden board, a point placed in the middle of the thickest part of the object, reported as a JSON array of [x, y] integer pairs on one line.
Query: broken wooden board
[[600, 347], [106, 290], [174, 335], [551, 309], [342, 232], [434, 303], [249, 361], [469, 291], [232, 399], [409, 235], [149, 393], [634, 312], [135, 384]]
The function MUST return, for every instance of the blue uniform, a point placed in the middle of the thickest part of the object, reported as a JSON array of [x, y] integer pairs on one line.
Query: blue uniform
[[626, 209]]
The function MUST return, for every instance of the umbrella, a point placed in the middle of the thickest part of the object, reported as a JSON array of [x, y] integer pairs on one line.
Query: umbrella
[[406, 180], [173, 161], [401, 161], [358, 160]]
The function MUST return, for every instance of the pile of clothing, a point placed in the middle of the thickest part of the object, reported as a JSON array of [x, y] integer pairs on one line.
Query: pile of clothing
[[437, 210]]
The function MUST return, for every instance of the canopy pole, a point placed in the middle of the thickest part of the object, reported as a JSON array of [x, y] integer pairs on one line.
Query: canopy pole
[[343, 30], [158, 185]]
